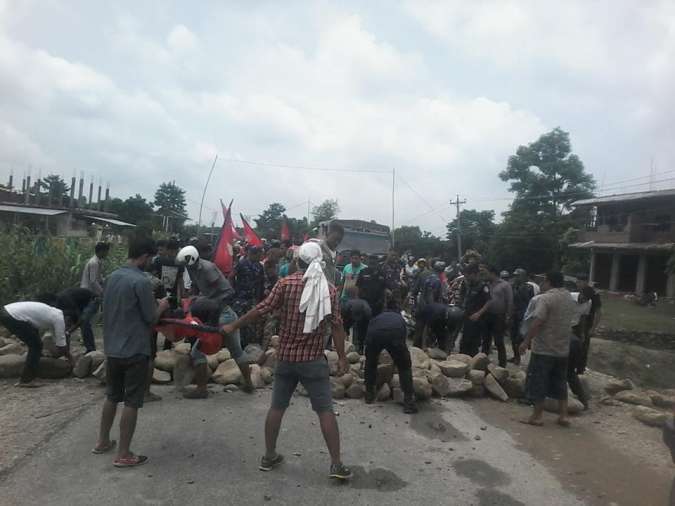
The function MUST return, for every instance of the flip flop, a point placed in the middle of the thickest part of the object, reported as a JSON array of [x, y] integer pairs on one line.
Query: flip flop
[[133, 461], [530, 422], [100, 451], [29, 385]]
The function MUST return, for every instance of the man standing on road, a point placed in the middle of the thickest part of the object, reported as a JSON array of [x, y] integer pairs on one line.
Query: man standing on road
[[329, 248], [473, 298], [549, 334], [129, 312], [308, 304], [350, 275], [249, 286], [92, 280], [590, 321], [498, 316], [372, 285], [522, 294]]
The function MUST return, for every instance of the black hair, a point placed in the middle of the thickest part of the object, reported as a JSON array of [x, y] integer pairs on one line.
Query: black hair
[[139, 246], [335, 227], [556, 279], [471, 269], [286, 243], [49, 298], [101, 247], [492, 268], [394, 301], [355, 253], [171, 245]]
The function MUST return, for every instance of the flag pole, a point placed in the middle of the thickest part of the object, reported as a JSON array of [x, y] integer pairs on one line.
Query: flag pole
[[201, 205]]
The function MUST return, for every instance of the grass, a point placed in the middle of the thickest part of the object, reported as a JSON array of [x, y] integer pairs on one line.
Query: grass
[[620, 314]]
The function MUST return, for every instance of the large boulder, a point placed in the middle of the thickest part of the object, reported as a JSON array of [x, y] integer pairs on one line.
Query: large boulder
[[615, 385], [100, 373], [397, 395], [514, 385], [636, 397], [11, 349], [227, 373], [467, 359], [437, 354], [49, 348], [223, 355], [649, 416], [256, 376], [160, 377], [267, 375], [355, 391], [385, 358], [353, 357], [476, 376], [182, 348], [384, 374], [574, 407], [494, 388], [333, 359], [423, 389], [480, 362], [213, 361], [356, 370], [420, 373], [459, 387], [166, 360], [253, 352], [477, 391], [270, 359], [54, 368], [395, 381], [83, 367], [97, 358], [440, 385], [662, 401], [183, 372], [384, 393], [338, 390], [11, 365], [420, 360], [500, 373], [454, 368], [345, 380]]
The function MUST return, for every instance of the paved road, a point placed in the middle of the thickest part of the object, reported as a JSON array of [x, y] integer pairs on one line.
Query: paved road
[[207, 452]]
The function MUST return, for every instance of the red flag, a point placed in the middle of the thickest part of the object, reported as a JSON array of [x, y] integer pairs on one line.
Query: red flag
[[235, 234], [285, 233], [250, 235], [222, 255]]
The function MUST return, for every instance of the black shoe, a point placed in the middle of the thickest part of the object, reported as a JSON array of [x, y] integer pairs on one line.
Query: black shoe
[[340, 472], [410, 408], [269, 464], [370, 396]]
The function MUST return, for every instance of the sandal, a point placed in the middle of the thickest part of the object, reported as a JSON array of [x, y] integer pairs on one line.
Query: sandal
[[106, 449], [133, 461]]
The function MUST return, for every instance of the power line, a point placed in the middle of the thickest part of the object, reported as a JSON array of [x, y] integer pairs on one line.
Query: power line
[[304, 167]]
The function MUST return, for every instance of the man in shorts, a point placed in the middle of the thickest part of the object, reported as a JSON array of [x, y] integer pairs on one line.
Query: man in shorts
[[308, 305], [549, 332], [129, 312]]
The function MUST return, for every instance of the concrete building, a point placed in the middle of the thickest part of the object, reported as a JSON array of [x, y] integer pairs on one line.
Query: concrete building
[[630, 238]]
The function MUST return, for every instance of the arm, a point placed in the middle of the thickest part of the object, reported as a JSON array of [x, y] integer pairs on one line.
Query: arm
[[531, 333], [338, 334], [273, 301], [509, 302], [150, 310]]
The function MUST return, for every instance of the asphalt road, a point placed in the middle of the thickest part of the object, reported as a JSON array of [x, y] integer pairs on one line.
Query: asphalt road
[[207, 452]]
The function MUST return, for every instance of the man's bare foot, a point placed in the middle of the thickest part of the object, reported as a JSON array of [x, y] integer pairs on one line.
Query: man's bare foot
[[533, 421]]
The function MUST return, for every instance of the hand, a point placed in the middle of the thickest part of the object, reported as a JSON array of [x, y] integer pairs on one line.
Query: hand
[[343, 366], [163, 305], [523, 347], [227, 329], [63, 351], [475, 317]]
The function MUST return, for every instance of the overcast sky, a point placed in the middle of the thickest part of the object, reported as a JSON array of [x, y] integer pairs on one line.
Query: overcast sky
[[139, 92]]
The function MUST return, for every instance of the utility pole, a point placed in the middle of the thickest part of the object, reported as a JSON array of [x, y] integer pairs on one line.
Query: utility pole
[[393, 203], [458, 203]]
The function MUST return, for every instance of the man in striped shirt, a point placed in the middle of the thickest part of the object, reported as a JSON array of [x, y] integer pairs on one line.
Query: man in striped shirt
[[307, 305]]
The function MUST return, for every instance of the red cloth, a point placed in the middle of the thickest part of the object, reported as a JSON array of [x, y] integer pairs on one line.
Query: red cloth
[[294, 344], [210, 340], [250, 235], [235, 234], [285, 232], [222, 255]]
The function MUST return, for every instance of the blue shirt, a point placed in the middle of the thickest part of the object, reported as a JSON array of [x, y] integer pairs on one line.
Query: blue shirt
[[389, 325]]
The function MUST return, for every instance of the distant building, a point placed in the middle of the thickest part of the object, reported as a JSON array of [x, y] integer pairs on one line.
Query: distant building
[[366, 236], [630, 238]]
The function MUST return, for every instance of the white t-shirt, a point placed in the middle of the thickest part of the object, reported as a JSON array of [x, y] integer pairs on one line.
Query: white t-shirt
[[41, 316], [535, 287]]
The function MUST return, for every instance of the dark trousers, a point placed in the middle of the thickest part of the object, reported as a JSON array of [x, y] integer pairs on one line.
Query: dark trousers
[[360, 330], [585, 329], [31, 338], [495, 327], [88, 314], [471, 337], [516, 338], [438, 331], [575, 358], [396, 346]]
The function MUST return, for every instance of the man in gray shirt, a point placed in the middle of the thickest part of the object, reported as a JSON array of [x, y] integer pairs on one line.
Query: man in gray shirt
[[329, 248], [92, 280], [129, 312], [499, 312]]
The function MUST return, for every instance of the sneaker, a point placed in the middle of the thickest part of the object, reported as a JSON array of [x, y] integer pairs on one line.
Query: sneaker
[[269, 464], [340, 472], [370, 395], [410, 408]]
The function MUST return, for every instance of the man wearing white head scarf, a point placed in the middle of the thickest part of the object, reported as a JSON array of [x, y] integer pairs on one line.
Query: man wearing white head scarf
[[308, 307]]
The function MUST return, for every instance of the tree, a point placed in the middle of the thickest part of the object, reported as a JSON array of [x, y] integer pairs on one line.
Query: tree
[[268, 224], [170, 204], [420, 243], [56, 187], [134, 210], [478, 230], [327, 210]]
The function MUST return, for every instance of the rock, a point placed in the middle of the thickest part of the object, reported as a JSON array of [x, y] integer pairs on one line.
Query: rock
[[476, 377], [419, 373], [227, 373], [83, 367], [634, 397], [609, 401], [500, 373], [97, 358], [213, 361], [183, 373], [338, 390], [253, 352], [614, 386], [397, 395], [274, 342], [11, 365], [477, 391], [49, 348], [480, 362], [182, 348], [385, 358], [231, 388], [467, 359], [54, 368], [384, 374], [12, 349], [433, 368], [662, 401], [423, 389], [395, 381], [160, 377], [459, 387], [586, 386], [651, 417], [345, 380], [349, 347], [437, 354], [300, 390], [270, 359], [256, 376], [353, 357], [384, 394], [454, 368], [166, 360], [332, 357], [100, 373], [494, 388], [356, 371], [420, 360], [355, 391], [440, 385], [223, 355], [574, 407], [267, 375]]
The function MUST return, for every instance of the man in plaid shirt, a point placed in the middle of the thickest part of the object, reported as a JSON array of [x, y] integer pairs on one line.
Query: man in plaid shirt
[[307, 305]]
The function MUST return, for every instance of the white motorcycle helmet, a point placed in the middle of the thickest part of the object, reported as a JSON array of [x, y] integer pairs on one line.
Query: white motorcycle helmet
[[187, 255]]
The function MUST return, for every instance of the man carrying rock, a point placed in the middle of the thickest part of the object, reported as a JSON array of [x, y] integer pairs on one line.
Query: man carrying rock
[[308, 304], [388, 331], [549, 334], [129, 312]]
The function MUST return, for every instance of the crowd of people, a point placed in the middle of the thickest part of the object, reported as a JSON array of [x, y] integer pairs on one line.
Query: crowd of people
[[303, 294]]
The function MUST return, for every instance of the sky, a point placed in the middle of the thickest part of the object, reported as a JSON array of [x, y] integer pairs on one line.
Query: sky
[[135, 93]]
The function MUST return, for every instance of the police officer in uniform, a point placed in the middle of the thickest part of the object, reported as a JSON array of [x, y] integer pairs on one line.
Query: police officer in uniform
[[474, 296]]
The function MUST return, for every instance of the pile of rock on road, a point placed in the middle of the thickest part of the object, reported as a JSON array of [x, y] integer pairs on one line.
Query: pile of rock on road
[[651, 408]]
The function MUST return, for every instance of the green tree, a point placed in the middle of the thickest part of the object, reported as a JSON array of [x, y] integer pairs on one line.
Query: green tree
[[134, 210], [268, 224], [56, 187], [327, 210], [478, 230], [171, 205], [419, 243]]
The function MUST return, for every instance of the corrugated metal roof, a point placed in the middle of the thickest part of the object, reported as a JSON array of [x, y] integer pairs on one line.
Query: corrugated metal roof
[[634, 246], [37, 211], [366, 243], [117, 223], [624, 197]]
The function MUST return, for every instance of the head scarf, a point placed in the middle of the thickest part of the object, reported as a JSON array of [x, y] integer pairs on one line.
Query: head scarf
[[315, 300]]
